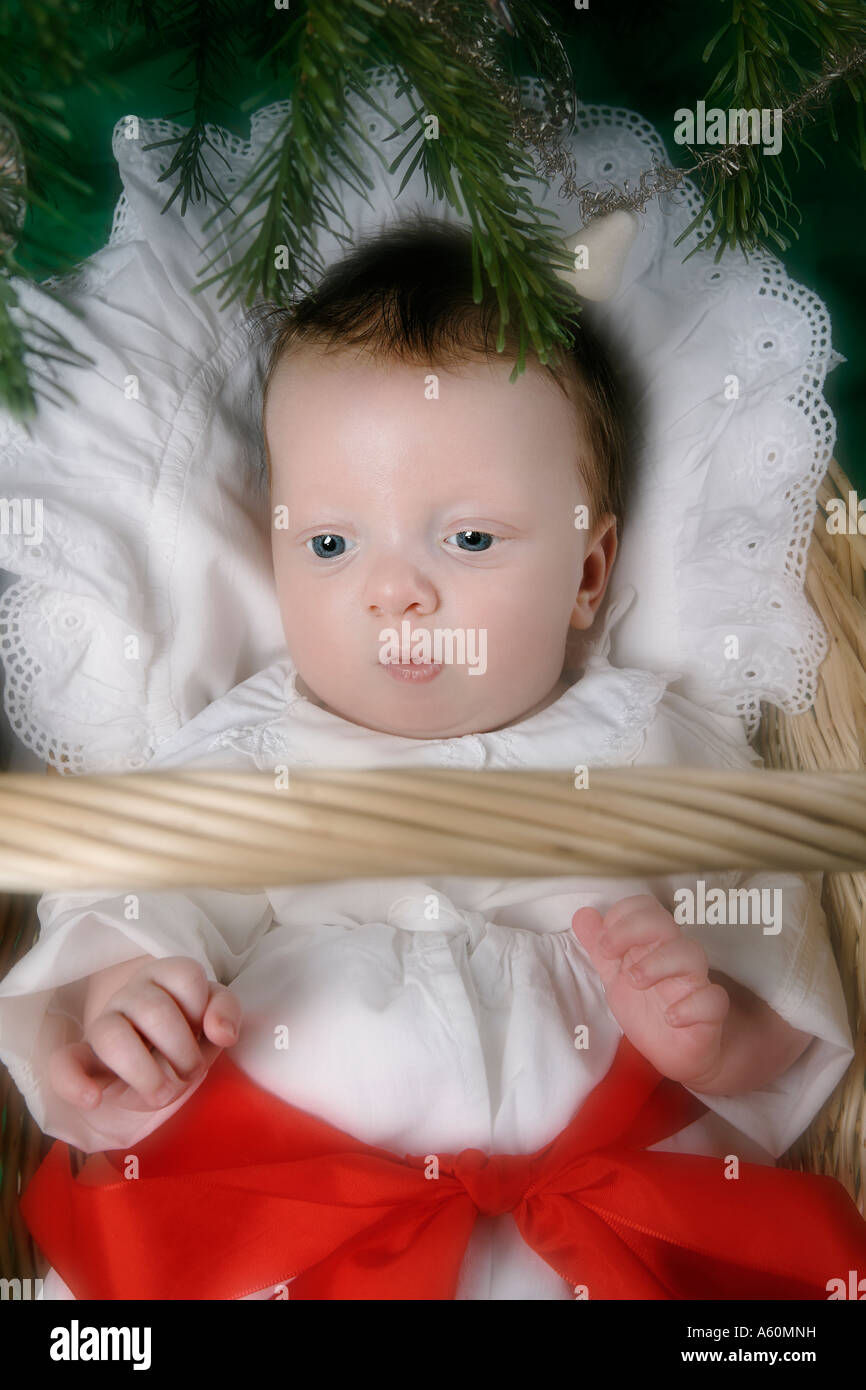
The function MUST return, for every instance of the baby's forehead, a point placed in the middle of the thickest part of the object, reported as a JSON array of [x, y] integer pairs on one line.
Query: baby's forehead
[[343, 424], [309, 377], [333, 418]]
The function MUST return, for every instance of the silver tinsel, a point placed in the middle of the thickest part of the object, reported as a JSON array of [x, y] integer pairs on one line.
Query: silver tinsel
[[477, 44], [543, 132]]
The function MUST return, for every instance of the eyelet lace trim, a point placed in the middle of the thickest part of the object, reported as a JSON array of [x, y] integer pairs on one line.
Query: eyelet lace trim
[[782, 357], [744, 572]]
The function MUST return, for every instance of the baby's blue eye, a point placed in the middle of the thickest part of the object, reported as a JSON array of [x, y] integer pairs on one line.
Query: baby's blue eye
[[331, 545], [472, 538]]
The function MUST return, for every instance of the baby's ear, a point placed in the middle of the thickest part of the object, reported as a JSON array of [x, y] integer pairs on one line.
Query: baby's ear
[[597, 568], [605, 537]]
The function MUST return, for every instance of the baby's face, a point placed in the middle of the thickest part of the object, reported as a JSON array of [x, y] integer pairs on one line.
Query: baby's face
[[374, 487]]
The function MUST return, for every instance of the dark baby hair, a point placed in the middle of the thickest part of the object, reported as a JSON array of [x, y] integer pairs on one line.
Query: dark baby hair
[[406, 295]]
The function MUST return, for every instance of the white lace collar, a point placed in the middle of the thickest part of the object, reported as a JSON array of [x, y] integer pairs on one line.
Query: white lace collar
[[600, 720]]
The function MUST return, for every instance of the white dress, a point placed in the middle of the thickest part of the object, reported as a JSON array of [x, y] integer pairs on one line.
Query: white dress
[[433, 1016]]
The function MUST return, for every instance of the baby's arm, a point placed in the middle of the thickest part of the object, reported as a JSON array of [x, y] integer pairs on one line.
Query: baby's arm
[[695, 1025], [151, 1028], [43, 997]]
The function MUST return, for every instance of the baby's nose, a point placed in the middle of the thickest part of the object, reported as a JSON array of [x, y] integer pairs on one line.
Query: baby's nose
[[401, 595]]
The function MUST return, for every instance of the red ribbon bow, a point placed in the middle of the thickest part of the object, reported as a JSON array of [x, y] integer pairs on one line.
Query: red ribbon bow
[[239, 1191]]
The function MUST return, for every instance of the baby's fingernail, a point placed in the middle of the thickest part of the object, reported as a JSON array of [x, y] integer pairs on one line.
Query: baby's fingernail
[[229, 1026], [636, 973], [603, 944], [165, 1094], [672, 1014]]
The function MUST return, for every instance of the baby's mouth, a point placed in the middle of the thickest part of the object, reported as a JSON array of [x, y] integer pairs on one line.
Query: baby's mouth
[[412, 671], [415, 661]]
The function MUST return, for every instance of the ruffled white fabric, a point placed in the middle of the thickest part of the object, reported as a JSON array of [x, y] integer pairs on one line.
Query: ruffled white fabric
[[436, 1015], [151, 593]]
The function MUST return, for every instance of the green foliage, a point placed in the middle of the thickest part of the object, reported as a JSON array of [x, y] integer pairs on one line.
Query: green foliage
[[325, 56], [38, 49], [768, 50], [322, 52]]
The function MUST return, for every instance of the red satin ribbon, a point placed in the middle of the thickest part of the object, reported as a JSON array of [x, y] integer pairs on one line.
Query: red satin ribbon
[[238, 1191]]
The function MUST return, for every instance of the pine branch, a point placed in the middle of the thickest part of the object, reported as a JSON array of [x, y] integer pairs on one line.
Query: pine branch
[[517, 243], [747, 193], [474, 150], [35, 337], [451, 55], [841, 38], [751, 78], [210, 57], [158, 18], [298, 175], [38, 45]]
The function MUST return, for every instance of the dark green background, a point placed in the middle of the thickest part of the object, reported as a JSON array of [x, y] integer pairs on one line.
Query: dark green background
[[644, 56]]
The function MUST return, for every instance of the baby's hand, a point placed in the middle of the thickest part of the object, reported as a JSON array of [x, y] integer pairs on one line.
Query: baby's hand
[[152, 1040], [657, 986]]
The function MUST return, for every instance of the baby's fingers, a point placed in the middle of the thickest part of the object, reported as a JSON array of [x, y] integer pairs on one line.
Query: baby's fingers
[[707, 1005], [636, 928], [221, 1023], [587, 925], [77, 1075], [118, 1045], [679, 959]]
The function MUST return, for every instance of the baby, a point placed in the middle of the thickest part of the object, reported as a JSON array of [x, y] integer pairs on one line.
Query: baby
[[416, 491]]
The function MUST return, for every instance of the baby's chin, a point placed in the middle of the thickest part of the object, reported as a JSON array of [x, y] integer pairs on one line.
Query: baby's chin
[[404, 715]]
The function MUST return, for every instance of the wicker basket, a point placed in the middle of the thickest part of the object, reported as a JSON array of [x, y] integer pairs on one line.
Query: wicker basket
[[830, 737]]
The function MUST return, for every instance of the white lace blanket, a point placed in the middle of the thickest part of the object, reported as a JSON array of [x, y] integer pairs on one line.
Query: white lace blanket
[[150, 592]]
